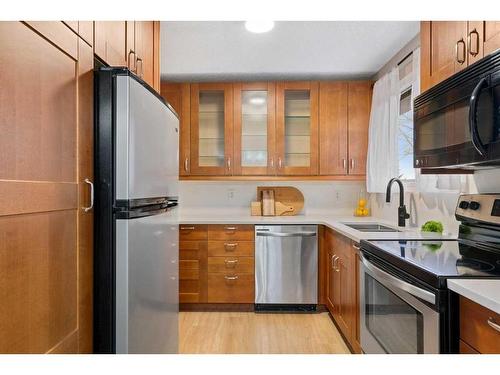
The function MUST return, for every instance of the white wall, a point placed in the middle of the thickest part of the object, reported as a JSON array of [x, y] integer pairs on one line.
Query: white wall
[[234, 197]]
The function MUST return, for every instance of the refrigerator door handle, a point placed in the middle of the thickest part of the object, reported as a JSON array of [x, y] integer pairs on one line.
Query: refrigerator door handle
[[87, 209]]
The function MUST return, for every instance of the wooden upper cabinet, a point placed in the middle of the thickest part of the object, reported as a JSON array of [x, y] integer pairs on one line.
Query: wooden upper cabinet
[[449, 46], [475, 44], [211, 129], [443, 49], [297, 127], [110, 42], [143, 50], [144, 32], [333, 128], [254, 129], [179, 96], [491, 36], [359, 107]]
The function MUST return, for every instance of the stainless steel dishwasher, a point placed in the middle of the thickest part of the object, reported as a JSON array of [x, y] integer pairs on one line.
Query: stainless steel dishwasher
[[286, 267]]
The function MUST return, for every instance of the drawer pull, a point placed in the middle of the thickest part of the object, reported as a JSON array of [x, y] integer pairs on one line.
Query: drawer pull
[[230, 246], [187, 228], [492, 324], [231, 277], [230, 228], [231, 263]]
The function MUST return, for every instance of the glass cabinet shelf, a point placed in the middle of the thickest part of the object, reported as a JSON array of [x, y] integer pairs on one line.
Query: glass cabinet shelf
[[297, 128], [211, 128]]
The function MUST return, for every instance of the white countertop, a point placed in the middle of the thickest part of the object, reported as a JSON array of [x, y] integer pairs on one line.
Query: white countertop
[[333, 222], [485, 292]]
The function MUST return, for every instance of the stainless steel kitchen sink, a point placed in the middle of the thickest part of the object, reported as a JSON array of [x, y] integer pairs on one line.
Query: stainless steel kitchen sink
[[370, 227]]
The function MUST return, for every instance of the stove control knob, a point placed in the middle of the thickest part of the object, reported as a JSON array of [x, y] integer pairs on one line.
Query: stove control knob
[[464, 205], [474, 205]]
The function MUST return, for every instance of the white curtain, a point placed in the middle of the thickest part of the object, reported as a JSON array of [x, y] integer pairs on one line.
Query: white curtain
[[382, 158]]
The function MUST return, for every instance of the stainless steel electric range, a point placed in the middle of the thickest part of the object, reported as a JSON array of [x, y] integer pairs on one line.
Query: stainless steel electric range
[[405, 306]]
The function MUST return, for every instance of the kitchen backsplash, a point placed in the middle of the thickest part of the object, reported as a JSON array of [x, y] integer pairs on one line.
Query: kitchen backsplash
[[234, 197], [435, 206]]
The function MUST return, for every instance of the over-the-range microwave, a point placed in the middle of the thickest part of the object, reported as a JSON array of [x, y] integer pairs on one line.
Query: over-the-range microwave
[[457, 122]]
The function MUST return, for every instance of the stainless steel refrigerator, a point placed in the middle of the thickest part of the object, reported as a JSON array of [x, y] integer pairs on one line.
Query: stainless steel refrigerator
[[136, 226]]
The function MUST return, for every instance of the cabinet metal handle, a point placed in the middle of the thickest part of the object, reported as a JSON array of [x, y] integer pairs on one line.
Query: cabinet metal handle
[[352, 164], [344, 164], [355, 246], [230, 228], [469, 40], [231, 262], [228, 163], [280, 163], [334, 261], [462, 60], [230, 246], [337, 268], [137, 66], [186, 165], [231, 277], [271, 162], [130, 53], [187, 228], [87, 209], [492, 324]]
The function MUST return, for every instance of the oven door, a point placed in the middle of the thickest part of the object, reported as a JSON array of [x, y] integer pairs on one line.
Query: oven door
[[393, 316]]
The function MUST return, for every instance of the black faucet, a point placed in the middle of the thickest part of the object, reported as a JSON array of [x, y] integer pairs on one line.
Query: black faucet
[[402, 214]]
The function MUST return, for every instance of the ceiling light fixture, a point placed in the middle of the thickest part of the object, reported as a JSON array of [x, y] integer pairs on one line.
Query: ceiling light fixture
[[259, 26]]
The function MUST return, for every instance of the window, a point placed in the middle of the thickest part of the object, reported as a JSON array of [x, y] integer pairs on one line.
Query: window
[[405, 119]]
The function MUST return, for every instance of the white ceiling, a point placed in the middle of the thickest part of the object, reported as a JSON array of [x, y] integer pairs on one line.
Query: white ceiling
[[225, 50]]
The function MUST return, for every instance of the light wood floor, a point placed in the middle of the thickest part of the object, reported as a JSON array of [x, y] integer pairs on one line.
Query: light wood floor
[[247, 332]]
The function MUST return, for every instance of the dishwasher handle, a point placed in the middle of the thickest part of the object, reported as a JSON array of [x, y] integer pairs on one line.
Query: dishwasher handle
[[284, 234]]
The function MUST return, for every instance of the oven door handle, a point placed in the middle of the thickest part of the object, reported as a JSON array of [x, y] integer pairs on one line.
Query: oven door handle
[[398, 283], [474, 133]]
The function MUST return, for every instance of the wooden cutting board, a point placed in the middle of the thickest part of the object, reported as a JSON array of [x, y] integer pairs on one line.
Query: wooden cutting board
[[287, 195]]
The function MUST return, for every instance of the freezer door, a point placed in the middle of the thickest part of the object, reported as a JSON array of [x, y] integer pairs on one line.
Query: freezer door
[[147, 141], [147, 285]]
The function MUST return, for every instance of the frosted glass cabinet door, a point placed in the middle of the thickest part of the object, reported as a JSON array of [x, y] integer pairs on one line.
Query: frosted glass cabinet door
[[211, 129], [254, 132], [297, 128]]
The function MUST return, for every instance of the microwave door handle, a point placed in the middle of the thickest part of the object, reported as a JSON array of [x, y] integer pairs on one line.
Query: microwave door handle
[[474, 133], [398, 283]]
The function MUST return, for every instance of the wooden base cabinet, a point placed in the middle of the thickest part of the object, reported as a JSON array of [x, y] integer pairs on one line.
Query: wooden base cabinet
[[342, 286], [216, 264], [479, 329]]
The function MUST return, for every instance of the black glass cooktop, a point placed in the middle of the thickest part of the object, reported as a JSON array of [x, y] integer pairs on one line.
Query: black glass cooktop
[[439, 259]]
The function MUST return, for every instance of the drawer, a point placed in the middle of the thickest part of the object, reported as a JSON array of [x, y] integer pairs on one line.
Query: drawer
[[231, 288], [231, 264], [193, 232], [475, 329], [231, 232], [192, 250], [189, 270], [231, 248]]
